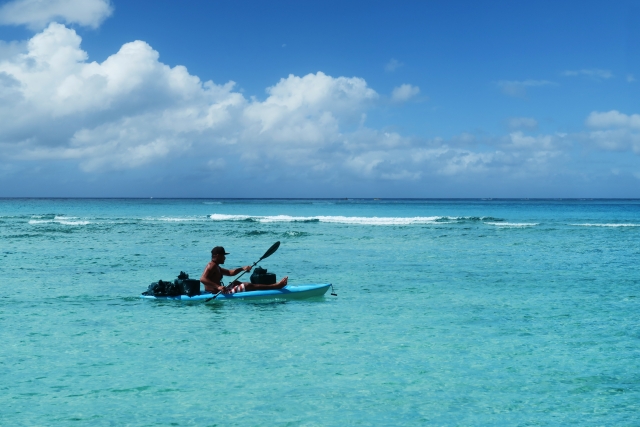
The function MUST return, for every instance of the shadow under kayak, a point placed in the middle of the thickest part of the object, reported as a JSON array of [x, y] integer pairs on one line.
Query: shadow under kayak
[[288, 292]]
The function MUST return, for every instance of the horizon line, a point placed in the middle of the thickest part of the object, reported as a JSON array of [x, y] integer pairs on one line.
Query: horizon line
[[321, 198]]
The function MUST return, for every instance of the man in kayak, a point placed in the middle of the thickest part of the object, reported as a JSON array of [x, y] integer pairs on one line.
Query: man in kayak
[[212, 276]]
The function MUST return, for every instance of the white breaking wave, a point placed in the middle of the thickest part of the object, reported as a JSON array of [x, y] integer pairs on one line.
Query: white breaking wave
[[332, 219], [221, 217], [64, 220], [513, 224], [175, 219], [607, 225], [73, 222]]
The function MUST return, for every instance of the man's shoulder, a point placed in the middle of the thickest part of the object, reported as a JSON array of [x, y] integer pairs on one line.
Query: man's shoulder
[[212, 264]]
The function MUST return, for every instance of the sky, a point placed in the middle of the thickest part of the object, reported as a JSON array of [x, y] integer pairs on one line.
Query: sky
[[406, 99]]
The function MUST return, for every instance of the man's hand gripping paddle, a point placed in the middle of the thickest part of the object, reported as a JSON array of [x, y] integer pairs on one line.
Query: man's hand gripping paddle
[[267, 254]]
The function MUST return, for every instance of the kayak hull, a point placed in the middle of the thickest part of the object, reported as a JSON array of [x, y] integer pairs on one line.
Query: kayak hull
[[286, 293]]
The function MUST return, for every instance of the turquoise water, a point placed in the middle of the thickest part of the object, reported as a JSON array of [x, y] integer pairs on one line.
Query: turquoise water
[[449, 312]]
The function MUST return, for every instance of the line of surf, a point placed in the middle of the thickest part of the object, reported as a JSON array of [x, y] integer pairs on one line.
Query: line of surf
[[513, 224], [607, 225], [176, 219], [352, 220], [63, 220]]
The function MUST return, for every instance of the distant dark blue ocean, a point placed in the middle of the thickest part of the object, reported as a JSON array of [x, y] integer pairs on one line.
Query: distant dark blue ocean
[[449, 312]]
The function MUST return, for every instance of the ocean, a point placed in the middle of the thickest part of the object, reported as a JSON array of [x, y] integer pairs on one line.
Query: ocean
[[449, 313]]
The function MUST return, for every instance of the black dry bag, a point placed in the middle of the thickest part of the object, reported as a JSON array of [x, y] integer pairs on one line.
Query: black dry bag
[[163, 289], [190, 287], [181, 286], [261, 277]]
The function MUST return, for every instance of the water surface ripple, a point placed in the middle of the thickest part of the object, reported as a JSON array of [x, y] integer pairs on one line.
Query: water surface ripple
[[449, 312]]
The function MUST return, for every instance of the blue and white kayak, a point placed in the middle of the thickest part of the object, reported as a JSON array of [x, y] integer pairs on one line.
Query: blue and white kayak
[[286, 293]]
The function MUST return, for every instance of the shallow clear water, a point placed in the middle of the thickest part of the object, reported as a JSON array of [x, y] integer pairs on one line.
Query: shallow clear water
[[449, 312]]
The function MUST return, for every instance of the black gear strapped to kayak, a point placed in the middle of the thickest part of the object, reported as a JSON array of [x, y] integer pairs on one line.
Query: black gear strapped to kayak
[[180, 286]]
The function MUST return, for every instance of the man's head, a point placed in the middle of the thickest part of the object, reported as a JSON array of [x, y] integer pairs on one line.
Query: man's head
[[218, 254]]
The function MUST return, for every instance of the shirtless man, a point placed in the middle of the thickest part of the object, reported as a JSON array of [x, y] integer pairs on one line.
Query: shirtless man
[[212, 276]]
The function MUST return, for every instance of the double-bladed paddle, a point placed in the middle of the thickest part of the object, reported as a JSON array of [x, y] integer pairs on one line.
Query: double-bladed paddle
[[267, 254]]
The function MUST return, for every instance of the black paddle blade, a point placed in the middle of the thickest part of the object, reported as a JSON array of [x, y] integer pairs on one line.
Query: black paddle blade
[[271, 250]]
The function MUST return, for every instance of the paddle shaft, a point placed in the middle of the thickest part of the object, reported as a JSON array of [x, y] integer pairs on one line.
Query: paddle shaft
[[267, 254]]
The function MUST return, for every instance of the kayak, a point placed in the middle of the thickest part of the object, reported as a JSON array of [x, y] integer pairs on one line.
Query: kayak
[[286, 293]]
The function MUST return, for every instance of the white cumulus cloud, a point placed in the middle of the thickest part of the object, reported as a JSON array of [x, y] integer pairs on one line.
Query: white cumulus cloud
[[132, 111], [306, 108], [616, 140], [36, 14], [404, 92], [131, 108], [614, 131], [120, 113], [613, 118]]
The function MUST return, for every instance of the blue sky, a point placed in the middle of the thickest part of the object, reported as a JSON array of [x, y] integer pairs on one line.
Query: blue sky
[[106, 98]]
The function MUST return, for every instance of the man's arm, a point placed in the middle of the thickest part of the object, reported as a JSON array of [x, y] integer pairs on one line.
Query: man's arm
[[235, 271]]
